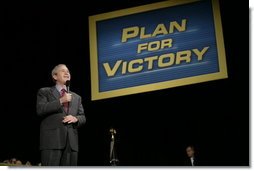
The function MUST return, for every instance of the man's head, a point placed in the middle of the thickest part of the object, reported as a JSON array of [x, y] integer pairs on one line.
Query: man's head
[[190, 151], [61, 74]]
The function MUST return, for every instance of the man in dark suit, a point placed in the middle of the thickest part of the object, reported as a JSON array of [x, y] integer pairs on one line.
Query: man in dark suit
[[192, 160], [62, 113]]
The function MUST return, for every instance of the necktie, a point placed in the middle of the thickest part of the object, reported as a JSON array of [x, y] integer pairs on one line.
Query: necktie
[[63, 91]]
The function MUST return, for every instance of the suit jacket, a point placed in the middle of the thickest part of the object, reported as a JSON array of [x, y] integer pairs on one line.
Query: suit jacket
[[188, 162], [53, 132]]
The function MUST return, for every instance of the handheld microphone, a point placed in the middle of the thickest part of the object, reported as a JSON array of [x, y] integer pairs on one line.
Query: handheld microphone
[[67, 83]]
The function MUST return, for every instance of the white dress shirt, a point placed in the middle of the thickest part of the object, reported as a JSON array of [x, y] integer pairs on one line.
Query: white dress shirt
[[192, 161]]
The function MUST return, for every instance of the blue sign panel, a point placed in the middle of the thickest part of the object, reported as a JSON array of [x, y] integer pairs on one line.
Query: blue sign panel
[[156, 46]]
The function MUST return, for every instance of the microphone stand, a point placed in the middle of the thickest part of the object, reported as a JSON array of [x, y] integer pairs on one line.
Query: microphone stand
[[113, 157]]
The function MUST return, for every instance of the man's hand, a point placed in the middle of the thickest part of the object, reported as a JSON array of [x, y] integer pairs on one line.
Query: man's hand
[[66, 98], [70, 119]]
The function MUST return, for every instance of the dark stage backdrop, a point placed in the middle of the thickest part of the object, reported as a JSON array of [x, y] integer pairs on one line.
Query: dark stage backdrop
[[152, 128]]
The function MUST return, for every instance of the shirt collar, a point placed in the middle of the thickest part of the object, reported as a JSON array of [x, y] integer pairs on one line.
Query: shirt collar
[[60, 87]]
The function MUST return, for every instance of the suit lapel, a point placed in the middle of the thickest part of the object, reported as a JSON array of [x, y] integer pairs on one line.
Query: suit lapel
[[56, 94]]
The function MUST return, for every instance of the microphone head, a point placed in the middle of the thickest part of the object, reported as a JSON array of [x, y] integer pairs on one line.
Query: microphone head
[[67, 83]]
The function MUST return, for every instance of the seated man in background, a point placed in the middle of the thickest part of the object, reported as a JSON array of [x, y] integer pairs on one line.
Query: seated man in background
[[192, 160]]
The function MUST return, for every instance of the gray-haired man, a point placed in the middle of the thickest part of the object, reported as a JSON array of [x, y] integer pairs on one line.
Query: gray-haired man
[[58, 130]]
